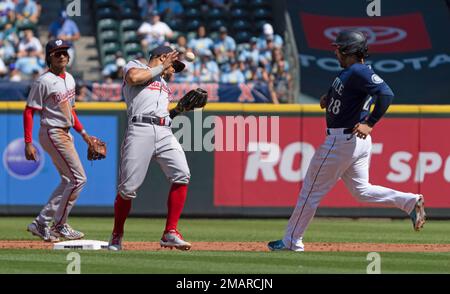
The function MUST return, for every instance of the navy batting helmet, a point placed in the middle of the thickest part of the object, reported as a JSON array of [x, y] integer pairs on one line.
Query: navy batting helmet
[[351, 42]]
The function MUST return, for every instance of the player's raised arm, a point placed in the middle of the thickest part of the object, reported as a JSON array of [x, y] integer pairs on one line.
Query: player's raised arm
[[140, 76]]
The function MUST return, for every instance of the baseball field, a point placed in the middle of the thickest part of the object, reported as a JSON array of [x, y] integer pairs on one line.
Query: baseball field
[[237, 246]]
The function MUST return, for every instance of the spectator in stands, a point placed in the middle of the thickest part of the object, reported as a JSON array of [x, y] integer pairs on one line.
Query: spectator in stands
[[29, 63], [30, 46], [154, 32], [115, 70], [83, 94], [181, 42], [145, 7], [14, 73], [140, 56], [8, 42], [7, 9], [224, 47], [252, 54], [65, 29], [202, 42], [269, 34], [3, 69], [27, 10], [233, 75], [280, 77], [170, 9], [206, 69], [265, 56]]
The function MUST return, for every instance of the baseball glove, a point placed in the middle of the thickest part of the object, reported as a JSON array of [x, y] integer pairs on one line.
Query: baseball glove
[[193, 99], [96, 149]]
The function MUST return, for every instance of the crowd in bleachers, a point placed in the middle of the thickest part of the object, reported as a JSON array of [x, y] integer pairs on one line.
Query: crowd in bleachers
[[229, 49], [22, 55]]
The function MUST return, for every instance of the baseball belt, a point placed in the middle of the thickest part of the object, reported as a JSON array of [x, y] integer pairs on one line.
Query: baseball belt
[[344, 131], [152, 120]]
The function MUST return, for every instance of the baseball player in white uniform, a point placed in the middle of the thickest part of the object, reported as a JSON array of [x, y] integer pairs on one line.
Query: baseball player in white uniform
[[53, 96], [149, 136], [346, 151]]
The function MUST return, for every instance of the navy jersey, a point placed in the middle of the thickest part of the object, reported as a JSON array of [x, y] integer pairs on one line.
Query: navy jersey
[[351, 94]]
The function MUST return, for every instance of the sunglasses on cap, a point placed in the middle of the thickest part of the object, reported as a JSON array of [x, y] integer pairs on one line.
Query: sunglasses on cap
[[59, 53]]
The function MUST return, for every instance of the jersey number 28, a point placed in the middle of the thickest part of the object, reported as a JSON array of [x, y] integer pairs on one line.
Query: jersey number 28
[[335, 106]]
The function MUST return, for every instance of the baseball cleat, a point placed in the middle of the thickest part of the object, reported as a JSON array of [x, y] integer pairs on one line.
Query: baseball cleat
[[42, 231], [115, 242], [65, 231], [173, 239], [277, 245], [418, 215]]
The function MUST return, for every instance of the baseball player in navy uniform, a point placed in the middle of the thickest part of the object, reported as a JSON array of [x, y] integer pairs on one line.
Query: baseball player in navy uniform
[[345, 154], [149, 136], [53, 96]]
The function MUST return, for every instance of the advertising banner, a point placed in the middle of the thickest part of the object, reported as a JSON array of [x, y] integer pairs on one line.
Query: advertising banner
[[405, 157], [24, 182], [406, 45]]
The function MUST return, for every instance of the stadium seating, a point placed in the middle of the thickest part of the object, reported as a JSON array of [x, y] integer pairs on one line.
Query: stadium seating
[[118, 21]]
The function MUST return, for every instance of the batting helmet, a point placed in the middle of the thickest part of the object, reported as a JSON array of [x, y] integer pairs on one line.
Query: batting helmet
[[351, 42]]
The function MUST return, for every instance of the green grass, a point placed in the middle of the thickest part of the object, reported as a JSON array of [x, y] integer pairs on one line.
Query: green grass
[[321, 230]]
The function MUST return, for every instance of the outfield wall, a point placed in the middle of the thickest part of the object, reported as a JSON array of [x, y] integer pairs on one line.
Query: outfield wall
[[411, 153]]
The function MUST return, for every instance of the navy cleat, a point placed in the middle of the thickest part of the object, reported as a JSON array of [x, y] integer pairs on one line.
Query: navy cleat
[[277, 245]]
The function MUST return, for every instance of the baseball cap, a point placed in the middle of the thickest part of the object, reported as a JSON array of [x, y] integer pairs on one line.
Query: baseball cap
[[63, 14], [55, 45], [161, 50], [223, 29], [268, 29]]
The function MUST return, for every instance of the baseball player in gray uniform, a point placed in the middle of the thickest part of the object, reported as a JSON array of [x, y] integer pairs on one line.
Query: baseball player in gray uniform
[[53, 96], [149, 136]]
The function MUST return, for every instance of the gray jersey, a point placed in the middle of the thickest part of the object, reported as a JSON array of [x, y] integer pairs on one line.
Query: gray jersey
[[149, 99], [55, 97]]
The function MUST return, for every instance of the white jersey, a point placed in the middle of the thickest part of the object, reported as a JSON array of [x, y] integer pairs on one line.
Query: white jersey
[[55, 97], [150, 99]]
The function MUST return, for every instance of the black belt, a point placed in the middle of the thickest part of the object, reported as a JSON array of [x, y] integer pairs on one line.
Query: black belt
[[345, 132], [159, 121]]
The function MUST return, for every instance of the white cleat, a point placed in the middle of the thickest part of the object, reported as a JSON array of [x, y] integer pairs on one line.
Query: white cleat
[[65, 231], [115, 242], [173, 239], [42, 231]]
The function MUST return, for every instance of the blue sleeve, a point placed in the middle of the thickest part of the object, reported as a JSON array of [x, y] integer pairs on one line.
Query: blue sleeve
[[371, 83]]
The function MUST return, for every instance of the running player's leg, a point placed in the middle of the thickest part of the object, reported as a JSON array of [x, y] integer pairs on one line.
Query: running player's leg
[[327, 165], [356, 178]]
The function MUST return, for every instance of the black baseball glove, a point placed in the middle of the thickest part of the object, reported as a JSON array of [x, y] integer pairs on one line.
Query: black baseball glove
[[193, 99]]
